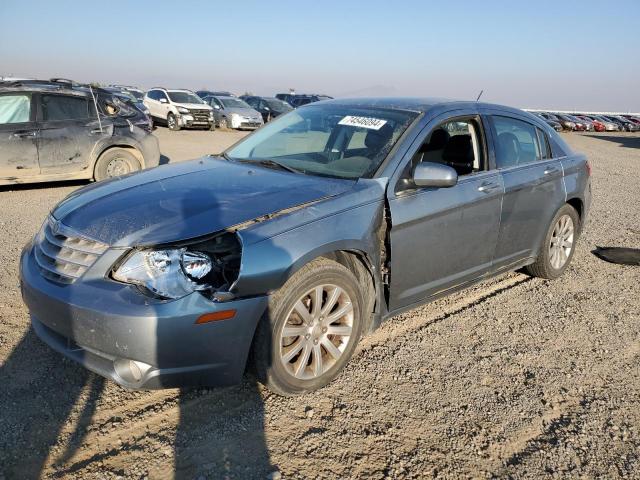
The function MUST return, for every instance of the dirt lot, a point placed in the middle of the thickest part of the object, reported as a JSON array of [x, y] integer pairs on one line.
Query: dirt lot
[[516, 377]]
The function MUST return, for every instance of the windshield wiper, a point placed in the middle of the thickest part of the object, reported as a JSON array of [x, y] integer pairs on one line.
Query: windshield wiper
[[267, 162]]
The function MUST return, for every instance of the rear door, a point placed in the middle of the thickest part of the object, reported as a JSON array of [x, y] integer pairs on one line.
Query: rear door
[[18, 136], [444, 237], [69, 130], [533, 183]]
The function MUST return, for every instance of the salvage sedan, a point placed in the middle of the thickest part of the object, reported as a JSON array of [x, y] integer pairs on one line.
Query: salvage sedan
[[299, 240]]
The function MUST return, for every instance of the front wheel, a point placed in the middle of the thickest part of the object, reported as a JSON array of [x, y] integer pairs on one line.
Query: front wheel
[[223, 124], [172, 123], [558, 246], [311, 329]]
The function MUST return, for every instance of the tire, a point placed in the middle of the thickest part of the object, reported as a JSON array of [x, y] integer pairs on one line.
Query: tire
[[115, 162], [212, 127], [172, 122], [294, 376], [548, 265], [223, 124]]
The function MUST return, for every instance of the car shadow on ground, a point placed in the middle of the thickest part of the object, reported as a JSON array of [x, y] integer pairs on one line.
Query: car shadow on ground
[[39, 392], [43, 185], [622, 141], [164, 160]]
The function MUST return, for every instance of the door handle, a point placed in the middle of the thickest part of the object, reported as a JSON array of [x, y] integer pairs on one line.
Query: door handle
[[488, 187], [24, 134], [550, 170], [96, 130]]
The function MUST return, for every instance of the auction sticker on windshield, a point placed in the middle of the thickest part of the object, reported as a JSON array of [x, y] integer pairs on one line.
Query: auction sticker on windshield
[[364, 122]]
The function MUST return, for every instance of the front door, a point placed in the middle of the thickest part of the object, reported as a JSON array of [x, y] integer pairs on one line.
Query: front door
[[18, 137], [69, 130], [445, 237]]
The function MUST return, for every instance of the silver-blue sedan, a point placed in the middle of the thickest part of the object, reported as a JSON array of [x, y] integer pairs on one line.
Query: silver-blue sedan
[[300, 239]]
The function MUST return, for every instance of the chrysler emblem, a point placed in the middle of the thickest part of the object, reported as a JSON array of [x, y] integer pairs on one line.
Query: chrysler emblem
[[55, 227]]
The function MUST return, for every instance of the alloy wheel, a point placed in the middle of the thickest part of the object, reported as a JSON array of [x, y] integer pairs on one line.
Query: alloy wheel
[[561, 242], [316, 333]]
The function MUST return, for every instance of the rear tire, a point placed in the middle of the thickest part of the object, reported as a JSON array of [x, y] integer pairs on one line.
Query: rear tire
[[558, 245], [115, 162], [321, 338]]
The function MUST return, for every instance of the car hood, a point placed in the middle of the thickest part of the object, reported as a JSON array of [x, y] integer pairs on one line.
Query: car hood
[[187, 200], [194, 106]]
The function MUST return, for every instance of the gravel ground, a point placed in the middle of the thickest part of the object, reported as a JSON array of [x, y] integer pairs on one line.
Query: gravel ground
[[516, 377]]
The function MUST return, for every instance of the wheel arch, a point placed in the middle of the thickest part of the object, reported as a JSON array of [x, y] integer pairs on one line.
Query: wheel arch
[[578, 205]]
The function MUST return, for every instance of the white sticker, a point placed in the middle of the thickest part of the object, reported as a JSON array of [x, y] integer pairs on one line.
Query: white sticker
[[364, 122]]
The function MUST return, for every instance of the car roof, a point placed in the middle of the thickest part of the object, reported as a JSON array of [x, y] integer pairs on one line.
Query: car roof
[[416, 104]]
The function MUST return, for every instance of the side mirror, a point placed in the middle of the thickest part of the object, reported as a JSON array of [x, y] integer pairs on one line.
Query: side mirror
[[217, 107], [428, 174], [163, 100], [267, 108]]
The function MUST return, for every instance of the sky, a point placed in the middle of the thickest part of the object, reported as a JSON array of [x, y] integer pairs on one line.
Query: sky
[[560, 55]]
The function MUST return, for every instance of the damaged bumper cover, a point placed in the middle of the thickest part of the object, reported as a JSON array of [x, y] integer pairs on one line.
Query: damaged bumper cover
[[113, 330]]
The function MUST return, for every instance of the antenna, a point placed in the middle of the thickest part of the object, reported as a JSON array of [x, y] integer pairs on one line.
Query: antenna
[[479, 95]]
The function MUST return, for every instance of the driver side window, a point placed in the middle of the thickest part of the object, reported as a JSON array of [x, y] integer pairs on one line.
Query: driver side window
[[457, 143]]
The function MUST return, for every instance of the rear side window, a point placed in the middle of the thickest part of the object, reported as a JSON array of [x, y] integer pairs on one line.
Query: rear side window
[[545, 149], [62, 107], [517, 142], [15, 108]]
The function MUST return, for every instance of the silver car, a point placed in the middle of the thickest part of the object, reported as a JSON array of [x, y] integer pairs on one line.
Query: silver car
[[300, 239], [232, 112]]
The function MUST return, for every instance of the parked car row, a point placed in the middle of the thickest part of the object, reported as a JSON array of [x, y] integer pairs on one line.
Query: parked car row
[[580, 122]]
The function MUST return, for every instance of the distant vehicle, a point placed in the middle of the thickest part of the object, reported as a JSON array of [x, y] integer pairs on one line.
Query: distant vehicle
[[178, 109], [269, 107], [129, 97], [209, 93], [609, 126], [552, 123], [567, 123], [598, 126], [632, 118], [60, 130], [285, 97], [232, 112], [625, 124], [300, 100], [587, 123]]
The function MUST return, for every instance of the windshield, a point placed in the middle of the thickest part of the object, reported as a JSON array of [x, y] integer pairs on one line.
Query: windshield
[[233, 103], [327, 140], [184, 97], [278, 105], [136, 93]]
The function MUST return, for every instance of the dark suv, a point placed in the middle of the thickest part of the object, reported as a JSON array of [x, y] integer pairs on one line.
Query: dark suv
[[298, 100], [59, 130]]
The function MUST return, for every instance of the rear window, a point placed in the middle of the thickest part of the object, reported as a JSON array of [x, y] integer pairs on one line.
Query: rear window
[[15, 108], [62, 107], [517, 142]]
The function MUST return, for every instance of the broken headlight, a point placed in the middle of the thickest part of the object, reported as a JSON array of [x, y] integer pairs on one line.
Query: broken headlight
[[172, 273], [208, 267]]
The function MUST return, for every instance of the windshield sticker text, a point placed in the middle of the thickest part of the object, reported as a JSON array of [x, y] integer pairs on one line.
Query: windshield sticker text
[[363, 122]]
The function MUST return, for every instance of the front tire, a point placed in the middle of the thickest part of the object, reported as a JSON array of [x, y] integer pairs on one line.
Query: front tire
[[311, 329], [558, 245], [115, 162], [172, 123], [223, 123]]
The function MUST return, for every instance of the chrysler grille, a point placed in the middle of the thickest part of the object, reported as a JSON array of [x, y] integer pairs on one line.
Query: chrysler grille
[[62, 256]]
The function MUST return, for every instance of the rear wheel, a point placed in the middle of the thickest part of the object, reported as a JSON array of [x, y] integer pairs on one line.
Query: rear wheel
[[115, 162], [558, 245], [311, 329], [172, 122]]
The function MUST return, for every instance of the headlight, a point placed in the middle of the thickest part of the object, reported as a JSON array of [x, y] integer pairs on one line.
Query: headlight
[[171, 273], [183, 110]]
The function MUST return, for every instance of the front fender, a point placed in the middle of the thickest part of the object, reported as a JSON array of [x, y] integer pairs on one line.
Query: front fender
[[268, 264]]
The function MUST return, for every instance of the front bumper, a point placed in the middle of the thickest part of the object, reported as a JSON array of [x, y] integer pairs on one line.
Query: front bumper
[[112, 329], [194, 121]]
